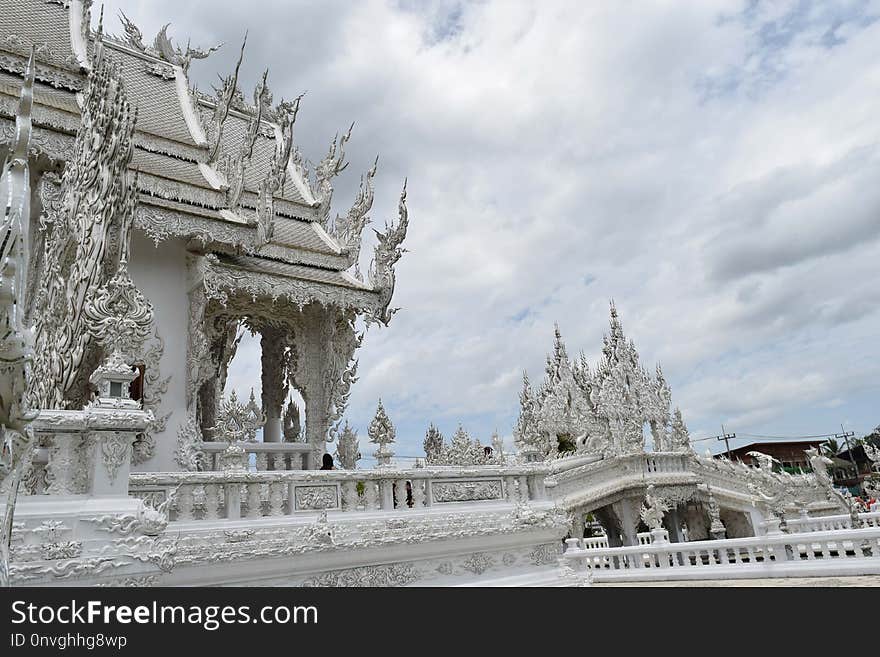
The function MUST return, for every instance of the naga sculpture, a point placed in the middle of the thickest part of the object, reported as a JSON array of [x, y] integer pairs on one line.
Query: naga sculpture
[[98, 206], [162, 45], [16, 341], [388, 251], [819, 464], [347, 452], [654, 510]]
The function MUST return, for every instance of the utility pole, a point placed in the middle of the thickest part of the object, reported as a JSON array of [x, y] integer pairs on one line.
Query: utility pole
[[846, 435], [726, 437]]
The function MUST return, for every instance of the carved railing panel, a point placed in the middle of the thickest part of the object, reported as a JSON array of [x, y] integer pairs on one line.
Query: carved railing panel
[[243, 494]]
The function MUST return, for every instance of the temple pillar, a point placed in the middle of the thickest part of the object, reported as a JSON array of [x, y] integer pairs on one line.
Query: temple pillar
[[322, 371], [577, 525], [695, 518], [274, 381], [627, 512], [610, 523], [672, 524]]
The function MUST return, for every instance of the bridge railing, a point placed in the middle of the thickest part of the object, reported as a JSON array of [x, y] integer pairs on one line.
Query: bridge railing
[[582, 483], [234, 495], [851, 551], [831, 523]]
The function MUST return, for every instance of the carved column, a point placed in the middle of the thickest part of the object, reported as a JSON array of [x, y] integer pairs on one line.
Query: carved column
[[672, 522], [322, 370], [274, 379], [609, 521], [695, 518], [627, 511]]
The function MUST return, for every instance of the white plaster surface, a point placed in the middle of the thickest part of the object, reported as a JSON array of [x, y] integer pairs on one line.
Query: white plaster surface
[[160, 273]]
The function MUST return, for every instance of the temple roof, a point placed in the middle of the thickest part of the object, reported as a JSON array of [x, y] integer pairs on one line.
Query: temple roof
[[172, 127], [151, 87], [265, 266], [45, 25]]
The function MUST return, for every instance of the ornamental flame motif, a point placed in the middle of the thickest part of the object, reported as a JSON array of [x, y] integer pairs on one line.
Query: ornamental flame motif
[[237, 422]]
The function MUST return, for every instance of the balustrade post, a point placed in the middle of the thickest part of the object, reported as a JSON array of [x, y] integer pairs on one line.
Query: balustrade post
[[262, 461], [418, 491], [536, 486], [185, 503], [296, 461], [510, 489], [254, 503], [276, 498], [371, 496], [386, 494], [233, 501], [349, 495], [523, 488], [429, 494], [401, 494], [212, 503], [278, 463]]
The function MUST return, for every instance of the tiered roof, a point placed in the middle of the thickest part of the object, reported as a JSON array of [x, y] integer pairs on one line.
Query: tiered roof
[[185, 175]]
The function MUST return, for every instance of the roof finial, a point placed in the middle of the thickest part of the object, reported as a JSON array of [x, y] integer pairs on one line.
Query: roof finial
[[23, 116], [100, 34]]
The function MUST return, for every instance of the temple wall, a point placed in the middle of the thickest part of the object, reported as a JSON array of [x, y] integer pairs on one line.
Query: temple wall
[[160, 273]]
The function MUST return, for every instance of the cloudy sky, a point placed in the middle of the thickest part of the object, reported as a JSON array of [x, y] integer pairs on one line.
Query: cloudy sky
[[712, 166]]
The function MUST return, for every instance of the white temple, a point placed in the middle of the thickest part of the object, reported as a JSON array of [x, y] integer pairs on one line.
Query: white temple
[[137, 243]]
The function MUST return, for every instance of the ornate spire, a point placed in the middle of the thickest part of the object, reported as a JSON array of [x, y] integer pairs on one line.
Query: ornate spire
[[433, 444], [382, 433], [525, 433], [292, 423], [237, 422], [347, 449], [679, 438], [462, 451]]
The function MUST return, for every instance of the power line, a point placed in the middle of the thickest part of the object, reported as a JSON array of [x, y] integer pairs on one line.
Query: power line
[[758, 435]]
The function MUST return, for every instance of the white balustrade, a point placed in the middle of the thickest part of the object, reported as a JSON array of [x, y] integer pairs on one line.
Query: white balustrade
[[840, 552], [268, 493], [595, 542], [831, 523], [268, 456]]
